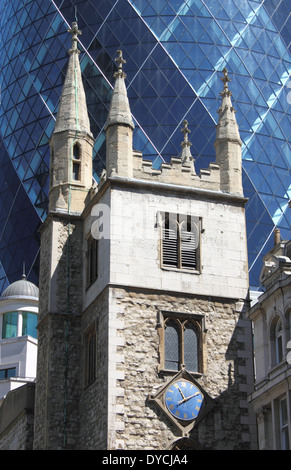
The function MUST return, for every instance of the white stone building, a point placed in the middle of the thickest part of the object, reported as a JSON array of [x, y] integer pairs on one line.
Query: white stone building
[[18, 364], [18, 335], [271, 317]]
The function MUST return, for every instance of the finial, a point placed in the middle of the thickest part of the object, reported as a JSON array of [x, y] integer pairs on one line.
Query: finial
[[225, 79], [23, 273], [120, 60], [186, 156], [74, 32], [186, 131]]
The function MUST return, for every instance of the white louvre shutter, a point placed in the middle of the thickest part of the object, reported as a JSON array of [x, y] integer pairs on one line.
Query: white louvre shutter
[[188, 250], [179, 247], [170, 252]]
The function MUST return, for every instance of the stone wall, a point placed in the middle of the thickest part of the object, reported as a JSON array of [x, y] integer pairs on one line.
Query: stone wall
[[16, 419], [132, 355], [59, 334], [94, 398], [227, 378]]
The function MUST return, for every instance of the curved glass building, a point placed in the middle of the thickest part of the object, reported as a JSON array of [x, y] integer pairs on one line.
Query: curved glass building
[[175, 52]]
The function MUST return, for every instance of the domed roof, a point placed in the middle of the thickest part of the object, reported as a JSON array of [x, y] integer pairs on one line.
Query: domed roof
[[21, 288]]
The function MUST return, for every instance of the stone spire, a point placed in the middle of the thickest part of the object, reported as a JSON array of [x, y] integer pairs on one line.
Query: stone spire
[[186, 157], [72, 142], [119, 127], [72, 113], [228, 143], [227, 127], [119, 112]]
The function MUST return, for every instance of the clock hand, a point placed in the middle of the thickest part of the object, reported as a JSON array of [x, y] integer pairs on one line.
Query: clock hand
[[181, 393], [188, 398]]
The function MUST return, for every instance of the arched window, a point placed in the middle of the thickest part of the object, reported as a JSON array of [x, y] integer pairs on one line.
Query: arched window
[[182, 344], [76, 152], [180, 241], [276, 340], [76, 163], [279, 341], [90, 355]]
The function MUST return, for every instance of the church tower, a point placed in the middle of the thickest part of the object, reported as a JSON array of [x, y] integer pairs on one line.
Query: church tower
[[61, 264], [144, 342]]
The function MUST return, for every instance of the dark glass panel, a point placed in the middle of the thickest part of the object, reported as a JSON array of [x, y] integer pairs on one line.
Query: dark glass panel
[[171, 345]]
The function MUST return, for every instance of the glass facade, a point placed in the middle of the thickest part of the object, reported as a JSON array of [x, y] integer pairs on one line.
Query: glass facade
[[11, 320], [175, 51], [10, 325]]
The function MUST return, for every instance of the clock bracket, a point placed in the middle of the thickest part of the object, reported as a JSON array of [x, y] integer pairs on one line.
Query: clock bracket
[[159, 398]]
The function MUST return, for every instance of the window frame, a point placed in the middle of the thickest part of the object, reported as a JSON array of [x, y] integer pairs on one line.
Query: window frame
[[284, 425], [175, 247], [90, 354], [7, 373], [76, 162], [276, 338], [279, 341], [91, 267], [181, 319]]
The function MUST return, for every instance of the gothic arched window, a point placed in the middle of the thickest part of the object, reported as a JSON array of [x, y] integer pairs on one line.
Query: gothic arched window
[[76, 162], [182, 344]]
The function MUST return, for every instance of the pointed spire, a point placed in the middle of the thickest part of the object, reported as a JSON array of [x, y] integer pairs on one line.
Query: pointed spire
[[227, 127], [72, 112], [119, 112], [186, 157], [228, 143]]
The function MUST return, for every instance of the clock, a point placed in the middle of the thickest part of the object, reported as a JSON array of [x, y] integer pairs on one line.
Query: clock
[[183, 400]]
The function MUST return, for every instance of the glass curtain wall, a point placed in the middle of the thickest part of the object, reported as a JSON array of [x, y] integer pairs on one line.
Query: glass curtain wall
[[175, 52]]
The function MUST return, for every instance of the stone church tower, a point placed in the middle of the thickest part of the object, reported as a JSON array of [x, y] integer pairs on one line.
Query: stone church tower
[[143, 339]]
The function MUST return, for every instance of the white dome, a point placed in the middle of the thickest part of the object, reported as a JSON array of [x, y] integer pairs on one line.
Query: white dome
[[21, 288]]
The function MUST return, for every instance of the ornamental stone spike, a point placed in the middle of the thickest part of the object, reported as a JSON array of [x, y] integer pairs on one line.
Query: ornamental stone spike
[[73, 113], [186, 157], [227, 127], [119, 127], [119, 111], [228, 143]]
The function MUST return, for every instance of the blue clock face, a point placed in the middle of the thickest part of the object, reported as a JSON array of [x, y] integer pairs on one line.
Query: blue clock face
[[183, 400]]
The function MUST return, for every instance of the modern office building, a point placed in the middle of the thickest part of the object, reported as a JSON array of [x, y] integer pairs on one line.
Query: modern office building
[[175, 52]]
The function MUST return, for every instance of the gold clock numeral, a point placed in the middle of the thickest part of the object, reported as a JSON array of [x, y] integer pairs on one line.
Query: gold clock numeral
[[198, 400], [171, 406], [185, 416], [169, 398], [184, 384], [197, 408], [177, 413]]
